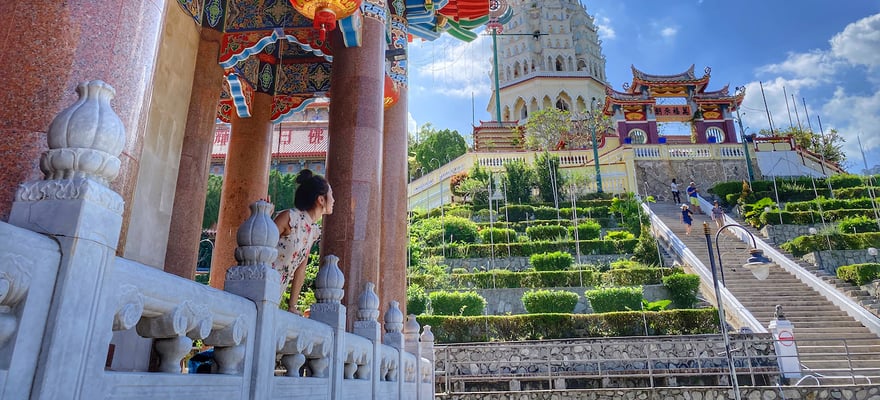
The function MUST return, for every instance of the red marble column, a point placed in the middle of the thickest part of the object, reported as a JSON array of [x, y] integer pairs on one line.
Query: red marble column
[[46, 49], [393, 242], [245, 180], [354, 159], [195, 160]]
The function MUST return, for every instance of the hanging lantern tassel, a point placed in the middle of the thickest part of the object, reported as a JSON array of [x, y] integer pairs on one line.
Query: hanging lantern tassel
[[324, 13], [325, 20]]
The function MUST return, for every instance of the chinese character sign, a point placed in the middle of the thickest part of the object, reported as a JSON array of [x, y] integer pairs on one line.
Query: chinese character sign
[[316, 135]]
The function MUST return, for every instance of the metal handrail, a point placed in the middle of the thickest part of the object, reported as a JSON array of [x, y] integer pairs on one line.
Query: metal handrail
[[738, 310]]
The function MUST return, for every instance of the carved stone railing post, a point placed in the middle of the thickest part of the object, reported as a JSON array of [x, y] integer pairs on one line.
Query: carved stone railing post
[[255, 279], [426, 348], [368, 326], [394, 338], [74, 205], [329, 310], [411, 344]]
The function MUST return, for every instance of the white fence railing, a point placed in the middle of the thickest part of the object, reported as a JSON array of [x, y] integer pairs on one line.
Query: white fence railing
[[63, 294]]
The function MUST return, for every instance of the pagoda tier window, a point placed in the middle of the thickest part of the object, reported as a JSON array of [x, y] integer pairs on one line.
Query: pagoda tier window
[[560, 65], [715, 133], [562, 105], [524, 113]]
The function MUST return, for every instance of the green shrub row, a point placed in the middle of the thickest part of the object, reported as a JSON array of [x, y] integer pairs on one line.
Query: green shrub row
[[840, 184], [859, 274], [547, 232], [860, 224], [501, 278], [773, 217], [683, 289], [498, 235], [605, 222], [526, 249], [587, 230], [521, 212], [839, 241], [550, 301], [555, 261], [830, 204], [560, 326]]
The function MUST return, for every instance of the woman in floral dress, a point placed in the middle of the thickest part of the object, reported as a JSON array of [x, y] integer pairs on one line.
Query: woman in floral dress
[[299, 230]]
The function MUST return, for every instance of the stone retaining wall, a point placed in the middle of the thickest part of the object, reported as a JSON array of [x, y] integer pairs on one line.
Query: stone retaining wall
[[834, 259], [522, 263], [780, 234], [688, 393]]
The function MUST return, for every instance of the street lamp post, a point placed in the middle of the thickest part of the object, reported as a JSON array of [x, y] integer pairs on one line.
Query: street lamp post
[[742, 132], [593, 128], [758, 265]]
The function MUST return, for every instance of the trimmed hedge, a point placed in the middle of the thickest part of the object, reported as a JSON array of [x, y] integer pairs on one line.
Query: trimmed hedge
[[556, 261], [417, 299], [550, 301], [457, 303], [547, 232], [561, 326], [637, 276], [683, 289], [497, 235], [830, 204], [859, 274], [839, 241], [587, 230], [615, 299], [860, 224], [526, 249]]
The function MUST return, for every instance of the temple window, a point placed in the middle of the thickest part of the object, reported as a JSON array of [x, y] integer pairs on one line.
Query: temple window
[[559, 65], [638, 136], [715, 133], [524, 113]]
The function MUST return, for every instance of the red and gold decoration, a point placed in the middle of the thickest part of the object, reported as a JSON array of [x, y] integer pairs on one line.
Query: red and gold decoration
[[325, 13], [392, 92]]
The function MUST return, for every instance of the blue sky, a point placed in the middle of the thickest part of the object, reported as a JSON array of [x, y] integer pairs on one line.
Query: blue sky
[[827, 52]]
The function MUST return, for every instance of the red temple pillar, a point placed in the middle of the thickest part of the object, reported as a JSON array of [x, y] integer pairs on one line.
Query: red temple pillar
[[354, 159], [245, 180], [182, 252], [68, 43]]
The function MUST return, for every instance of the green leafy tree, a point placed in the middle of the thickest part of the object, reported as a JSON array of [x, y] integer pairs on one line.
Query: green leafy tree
[[436, 147], [546, 128], [829, 145], [212, 201], [519, 179], [550, 181]]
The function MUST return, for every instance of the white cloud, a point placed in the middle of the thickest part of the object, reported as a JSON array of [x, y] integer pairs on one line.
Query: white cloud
[[606, 32], [669, 32], [816, 64], [411, 124], [824, 73], [456, 68], [859, 43]]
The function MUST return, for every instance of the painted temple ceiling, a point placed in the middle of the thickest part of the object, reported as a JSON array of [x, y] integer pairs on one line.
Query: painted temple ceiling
[[269, 47]]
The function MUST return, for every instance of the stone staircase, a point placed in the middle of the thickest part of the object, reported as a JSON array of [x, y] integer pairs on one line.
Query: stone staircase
[[859, 295], [833, 346]]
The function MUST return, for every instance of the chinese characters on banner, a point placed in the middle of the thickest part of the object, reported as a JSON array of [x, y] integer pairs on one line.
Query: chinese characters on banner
[[673, 111]]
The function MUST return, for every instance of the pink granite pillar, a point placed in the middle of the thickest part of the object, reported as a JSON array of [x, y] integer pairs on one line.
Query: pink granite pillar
[[46, 49], [195, 160], [245, 180], [393, 242], [354, 159], [394, 239]]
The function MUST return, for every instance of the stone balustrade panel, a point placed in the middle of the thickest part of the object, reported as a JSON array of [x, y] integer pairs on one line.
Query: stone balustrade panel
[[28, 267]]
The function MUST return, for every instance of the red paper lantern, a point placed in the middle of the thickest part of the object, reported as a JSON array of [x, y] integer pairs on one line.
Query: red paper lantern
[[392, 93]]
